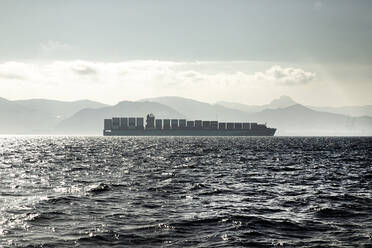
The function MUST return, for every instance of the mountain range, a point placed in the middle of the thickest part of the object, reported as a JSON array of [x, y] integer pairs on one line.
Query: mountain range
[[90, 120], [286, 101], [38, 116], [43, 116], [282, 102]]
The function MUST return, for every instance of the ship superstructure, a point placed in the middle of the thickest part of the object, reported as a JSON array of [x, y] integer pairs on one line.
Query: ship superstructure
[[135, 126]]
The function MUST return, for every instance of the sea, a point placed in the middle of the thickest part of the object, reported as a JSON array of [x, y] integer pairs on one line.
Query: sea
[[79, 191]]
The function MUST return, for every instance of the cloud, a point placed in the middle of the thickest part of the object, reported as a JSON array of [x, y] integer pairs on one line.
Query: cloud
[[288, 76], [52, 45], [83, 69], [15, 70], [150, 74], [11, 76]]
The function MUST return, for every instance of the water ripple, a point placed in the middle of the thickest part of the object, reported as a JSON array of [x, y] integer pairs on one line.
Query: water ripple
[[185, 191]]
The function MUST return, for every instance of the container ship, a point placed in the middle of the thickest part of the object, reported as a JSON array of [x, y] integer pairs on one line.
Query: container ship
[[134, 126]]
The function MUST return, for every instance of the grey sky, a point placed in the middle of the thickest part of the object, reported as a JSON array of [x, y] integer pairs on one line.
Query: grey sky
[[190, 29], [299, 33]]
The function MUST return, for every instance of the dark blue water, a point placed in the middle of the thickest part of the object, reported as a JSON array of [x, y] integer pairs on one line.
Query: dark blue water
[[185, 192]]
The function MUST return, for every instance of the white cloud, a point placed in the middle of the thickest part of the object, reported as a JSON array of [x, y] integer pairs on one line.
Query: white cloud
[[289, 75], [138, 79], [16, 71], [147, 72], [52, 45]]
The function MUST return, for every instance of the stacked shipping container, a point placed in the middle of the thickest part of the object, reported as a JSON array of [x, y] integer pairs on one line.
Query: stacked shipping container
[[123, 123]]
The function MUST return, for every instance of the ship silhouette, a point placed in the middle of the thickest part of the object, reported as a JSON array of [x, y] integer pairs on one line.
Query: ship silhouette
[[134, 126]]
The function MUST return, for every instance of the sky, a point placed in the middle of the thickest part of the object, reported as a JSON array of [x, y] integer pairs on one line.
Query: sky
[[319, 52]]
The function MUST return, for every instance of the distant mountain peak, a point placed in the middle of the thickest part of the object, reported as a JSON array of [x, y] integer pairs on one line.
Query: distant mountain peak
[[168, 99], [282, 102], [283, 99], [123, 102], [298, 107]]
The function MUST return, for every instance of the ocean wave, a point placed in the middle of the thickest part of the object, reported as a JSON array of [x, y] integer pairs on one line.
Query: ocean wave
[[99, 188], [185, 192]]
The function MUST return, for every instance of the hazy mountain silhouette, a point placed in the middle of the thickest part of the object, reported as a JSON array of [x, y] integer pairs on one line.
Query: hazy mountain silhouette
[[41, 116], [9, 106], [282, 102], [241, 107], [195, 110], [284, 113], [301, 120], [59, 109], [356, 111], [286, 101], [90, 121], [36, 116], [18, 119]]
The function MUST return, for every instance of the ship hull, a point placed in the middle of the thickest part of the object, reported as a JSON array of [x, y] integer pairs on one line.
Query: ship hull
[[172, 132]]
